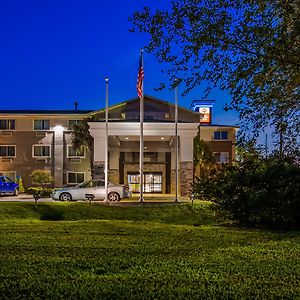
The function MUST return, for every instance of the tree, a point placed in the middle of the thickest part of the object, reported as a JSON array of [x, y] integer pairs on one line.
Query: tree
[[81, 137], [250, 48], [203, 158]]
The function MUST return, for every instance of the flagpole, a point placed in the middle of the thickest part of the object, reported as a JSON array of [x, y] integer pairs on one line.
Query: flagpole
[[176, 141], [106, 140], [141, 200]]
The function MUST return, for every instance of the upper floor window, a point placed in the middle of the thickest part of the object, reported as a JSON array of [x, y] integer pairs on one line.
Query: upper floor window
[[72, 123], [7, 151], [221, 157], [7, 124], [72, 152], [41, 124], [221, 135], [41, 151]]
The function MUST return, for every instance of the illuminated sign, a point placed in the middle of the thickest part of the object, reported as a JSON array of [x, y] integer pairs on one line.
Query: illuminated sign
[[204, 115]]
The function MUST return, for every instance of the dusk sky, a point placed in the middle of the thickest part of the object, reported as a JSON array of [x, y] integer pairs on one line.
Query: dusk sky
[[56, 52]]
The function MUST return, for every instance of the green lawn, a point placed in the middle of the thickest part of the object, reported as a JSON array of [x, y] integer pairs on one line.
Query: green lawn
[[78, 251]]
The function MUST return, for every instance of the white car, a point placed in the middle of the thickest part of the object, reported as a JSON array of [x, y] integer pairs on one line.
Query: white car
[[116, 192]]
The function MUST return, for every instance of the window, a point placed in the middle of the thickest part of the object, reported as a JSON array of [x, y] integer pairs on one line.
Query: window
[[41, 124], [7, 124], [72, 123], [91, 184], [75, 177], [7, 151], [221, 157], [41, 151], [72, 152], [221, 135], [10, 174]]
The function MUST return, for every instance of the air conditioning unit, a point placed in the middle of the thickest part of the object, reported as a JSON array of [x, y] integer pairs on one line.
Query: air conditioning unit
[[75, 160], [41, 134], [41, 160], [6, 160], [6, 133]]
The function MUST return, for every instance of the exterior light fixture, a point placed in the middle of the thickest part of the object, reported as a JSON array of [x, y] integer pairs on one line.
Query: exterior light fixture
[[127, 138], [58, 129], [162, 138]]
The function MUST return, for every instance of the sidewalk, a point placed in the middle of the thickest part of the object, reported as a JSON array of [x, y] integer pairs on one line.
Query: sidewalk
[[134, 200], [23, 198]]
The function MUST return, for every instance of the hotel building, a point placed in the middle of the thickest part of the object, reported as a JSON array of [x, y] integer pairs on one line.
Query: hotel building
[[31, 140]]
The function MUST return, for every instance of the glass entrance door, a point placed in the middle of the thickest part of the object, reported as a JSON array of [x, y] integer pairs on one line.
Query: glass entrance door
[[152, 182]]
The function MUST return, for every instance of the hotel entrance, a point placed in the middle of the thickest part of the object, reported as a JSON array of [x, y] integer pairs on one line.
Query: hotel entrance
[[152, 182]]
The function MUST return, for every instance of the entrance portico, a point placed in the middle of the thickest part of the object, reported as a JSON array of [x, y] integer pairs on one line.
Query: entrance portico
[[159, 149]]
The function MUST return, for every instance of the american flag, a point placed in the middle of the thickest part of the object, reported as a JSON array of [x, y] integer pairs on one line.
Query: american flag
[[140, 78]]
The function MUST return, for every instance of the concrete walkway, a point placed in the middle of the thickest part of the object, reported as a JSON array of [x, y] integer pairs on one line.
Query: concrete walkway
[[134, 200]]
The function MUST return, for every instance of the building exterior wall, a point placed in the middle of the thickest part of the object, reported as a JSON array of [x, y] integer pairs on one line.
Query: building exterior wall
[[24, 137]]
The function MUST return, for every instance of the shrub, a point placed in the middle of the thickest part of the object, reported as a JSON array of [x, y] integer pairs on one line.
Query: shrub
[[43, 192], [20, 183], [256, 191], [41, 177]]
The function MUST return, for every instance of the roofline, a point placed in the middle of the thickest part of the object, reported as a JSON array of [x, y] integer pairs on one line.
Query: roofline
[[46, 112], [137, 98]]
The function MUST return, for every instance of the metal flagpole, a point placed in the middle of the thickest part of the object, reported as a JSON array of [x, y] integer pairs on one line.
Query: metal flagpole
[[176, 141], [106, 141], [141, 131]]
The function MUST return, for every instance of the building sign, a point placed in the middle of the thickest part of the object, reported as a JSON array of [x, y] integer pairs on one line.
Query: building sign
[[204, 115]]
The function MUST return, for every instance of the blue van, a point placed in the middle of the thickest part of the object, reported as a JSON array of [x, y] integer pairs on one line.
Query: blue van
[[7, 186]]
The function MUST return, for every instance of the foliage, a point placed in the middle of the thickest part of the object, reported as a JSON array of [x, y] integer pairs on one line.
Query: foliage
[[43, 192], [41, 177], [140, 254], [20, 183], [249, 48], [203, 158], [257, 191], [81, 136]]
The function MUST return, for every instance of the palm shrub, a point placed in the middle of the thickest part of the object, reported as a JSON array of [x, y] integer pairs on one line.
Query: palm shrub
[[256, 191]]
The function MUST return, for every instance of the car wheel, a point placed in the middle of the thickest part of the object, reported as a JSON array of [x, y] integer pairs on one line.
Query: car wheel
[[65, 197], [113, 196], [16, 192]]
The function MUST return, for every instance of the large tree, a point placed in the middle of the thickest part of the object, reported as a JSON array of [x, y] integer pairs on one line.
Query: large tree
[[250, 48]]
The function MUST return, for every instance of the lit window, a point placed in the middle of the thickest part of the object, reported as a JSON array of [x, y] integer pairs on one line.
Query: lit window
[[10, 174], [7, 151], [221, 157], [7, 124], [75, 177], [41, 151], [41, 124], [72, 152], [221, 135]]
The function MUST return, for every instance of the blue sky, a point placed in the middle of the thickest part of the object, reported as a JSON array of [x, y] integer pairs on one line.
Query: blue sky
[[55, 52]]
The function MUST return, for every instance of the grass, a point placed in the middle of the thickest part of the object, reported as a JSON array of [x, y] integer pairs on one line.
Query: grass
[[77, 251]]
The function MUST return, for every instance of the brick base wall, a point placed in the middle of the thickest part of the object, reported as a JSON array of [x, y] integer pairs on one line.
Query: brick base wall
[[113, 176], [186, 177]]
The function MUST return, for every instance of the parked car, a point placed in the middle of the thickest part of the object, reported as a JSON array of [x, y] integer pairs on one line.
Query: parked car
[[116, 192], [8, 187]]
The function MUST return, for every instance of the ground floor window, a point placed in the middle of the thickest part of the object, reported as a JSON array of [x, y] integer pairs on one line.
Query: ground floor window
[[221, 157], [10, 174], [152, 182], [75, 177]]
